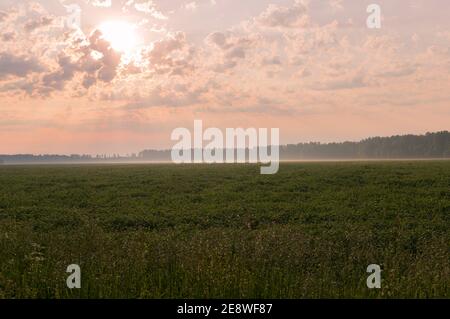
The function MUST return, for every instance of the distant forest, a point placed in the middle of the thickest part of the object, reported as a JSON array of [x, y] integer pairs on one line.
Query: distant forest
[[430, 145]]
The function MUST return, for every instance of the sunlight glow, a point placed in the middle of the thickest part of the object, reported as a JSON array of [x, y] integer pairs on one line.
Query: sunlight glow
[[121, 35]]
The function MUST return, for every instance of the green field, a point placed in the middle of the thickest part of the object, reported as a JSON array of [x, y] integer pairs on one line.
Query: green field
[[225, 231]]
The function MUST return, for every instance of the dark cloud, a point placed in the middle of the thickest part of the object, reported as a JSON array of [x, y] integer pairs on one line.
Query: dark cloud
[[353, 82], [232, 47], [38, 23], [107, 64], [3, 16], [275, 60], [102, 69], [219, 39], [20, 66], [57, 79], [171, 55], [8, 36]]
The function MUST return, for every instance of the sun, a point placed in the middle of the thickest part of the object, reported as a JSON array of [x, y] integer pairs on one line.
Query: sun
[[121, 35]]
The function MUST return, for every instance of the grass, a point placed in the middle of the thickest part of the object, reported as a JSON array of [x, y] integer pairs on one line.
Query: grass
[[225, 231]]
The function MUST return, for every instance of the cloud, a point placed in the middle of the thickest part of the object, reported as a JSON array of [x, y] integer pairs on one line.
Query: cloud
[[281, 55], [355, 81], [38, 23], [176, 96], [191, 6], [21, 85], [232, 48], [276, 16], [397, 70], [8, 36], [274, 60], [336, 5], [18, 65], [92, 68], [3, 15], [219, 39], [171, 55], [56, 80], [102, 66], [147, 7], [100, 3]]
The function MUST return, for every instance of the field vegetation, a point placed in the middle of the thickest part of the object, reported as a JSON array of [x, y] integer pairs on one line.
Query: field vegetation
[[225, 231]]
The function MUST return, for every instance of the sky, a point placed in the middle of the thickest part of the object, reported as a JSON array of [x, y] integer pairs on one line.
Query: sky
[[118, 76]]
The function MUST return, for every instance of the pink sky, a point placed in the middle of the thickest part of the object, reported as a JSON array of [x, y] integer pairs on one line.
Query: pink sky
[[311, 68]]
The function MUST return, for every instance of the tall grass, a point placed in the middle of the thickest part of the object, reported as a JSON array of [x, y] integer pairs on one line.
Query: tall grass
[[225, 231]]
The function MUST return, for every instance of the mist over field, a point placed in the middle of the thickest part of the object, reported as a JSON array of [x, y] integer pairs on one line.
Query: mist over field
[[429, 146]]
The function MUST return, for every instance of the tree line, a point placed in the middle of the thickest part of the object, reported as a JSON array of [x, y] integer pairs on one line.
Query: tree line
[[430, 145]]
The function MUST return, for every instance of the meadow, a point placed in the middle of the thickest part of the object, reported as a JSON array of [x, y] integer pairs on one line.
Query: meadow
[[225, 231]]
